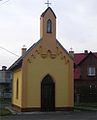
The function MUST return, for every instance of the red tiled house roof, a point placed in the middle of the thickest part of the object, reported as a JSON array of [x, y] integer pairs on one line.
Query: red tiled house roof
[[78, 58]]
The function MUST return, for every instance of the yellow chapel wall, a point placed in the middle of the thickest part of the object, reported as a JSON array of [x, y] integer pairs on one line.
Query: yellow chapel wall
[[17, 75], [61, 70], [35, 67]]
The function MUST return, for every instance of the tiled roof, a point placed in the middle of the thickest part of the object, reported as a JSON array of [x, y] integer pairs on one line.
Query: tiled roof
[[64, 49], [79, 57], [42, 15], [19, 61]]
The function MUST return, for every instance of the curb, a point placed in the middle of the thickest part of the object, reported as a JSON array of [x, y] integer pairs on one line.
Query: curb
[[35, 113], [76, 109], [85, 108]]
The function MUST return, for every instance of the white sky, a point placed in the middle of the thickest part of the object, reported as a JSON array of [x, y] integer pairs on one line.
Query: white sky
[[20, 25]]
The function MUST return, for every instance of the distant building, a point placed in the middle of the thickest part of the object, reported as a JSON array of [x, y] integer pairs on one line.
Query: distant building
[[85, 76], [5, 83]]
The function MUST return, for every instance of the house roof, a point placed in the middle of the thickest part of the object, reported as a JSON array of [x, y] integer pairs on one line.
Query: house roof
[[43, 14], [79, 58], [18, 63]]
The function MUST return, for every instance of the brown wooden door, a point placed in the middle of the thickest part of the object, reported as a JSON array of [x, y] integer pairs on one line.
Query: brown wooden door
[[47, 94]]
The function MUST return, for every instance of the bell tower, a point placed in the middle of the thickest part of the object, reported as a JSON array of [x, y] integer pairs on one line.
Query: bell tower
[[48, 30]]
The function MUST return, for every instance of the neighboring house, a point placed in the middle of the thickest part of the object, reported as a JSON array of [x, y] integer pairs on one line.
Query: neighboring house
[[43, 75], [85, 76], [5, 83]]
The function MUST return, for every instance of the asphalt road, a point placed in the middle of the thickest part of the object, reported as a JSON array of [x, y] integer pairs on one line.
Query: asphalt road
[[77, 115]]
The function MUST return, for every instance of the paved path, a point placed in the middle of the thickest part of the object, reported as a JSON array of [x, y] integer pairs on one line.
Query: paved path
[[77, 115]]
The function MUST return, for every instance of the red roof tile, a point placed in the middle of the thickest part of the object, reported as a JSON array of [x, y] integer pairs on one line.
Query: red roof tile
[[78, 57]]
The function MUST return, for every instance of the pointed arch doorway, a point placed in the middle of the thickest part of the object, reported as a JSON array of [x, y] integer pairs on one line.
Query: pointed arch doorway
[[47, 94]]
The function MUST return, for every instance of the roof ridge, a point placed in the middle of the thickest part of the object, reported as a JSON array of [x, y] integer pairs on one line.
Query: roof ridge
[[42, 15], [64, 49], [19, 60]]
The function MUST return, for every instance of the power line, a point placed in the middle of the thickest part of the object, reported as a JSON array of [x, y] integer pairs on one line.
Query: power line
[[8, 51], [4, 2]]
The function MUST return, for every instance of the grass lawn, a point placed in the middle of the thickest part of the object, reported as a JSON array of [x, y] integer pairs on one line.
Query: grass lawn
[[4, 112]]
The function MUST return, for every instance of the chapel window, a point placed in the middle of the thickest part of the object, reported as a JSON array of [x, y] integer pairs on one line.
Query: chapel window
[[49, 26], [17, 89]]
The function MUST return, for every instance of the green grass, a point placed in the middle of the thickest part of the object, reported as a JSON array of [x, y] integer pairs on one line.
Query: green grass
[[4, 112]]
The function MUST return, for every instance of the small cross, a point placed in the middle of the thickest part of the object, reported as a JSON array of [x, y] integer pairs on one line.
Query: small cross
[[48, 3]]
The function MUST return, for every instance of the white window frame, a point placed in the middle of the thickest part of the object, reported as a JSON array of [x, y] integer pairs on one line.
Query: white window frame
[[91, 71]]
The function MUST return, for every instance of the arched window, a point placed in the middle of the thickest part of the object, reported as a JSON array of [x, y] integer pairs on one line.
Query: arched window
[[49, 26], [17, 89]]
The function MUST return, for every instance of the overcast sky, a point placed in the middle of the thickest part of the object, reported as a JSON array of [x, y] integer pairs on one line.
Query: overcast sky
[[20, 25]]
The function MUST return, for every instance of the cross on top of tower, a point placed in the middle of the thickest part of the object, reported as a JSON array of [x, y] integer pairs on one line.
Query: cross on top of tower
[[48, 3]]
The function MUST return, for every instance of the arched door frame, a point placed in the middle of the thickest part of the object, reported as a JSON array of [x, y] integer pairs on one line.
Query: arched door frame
[[47, 94]]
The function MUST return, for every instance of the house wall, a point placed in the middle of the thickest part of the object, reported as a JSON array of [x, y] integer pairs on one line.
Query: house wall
[[17, 75], [87, 83], [90, 61], [5, 83]]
